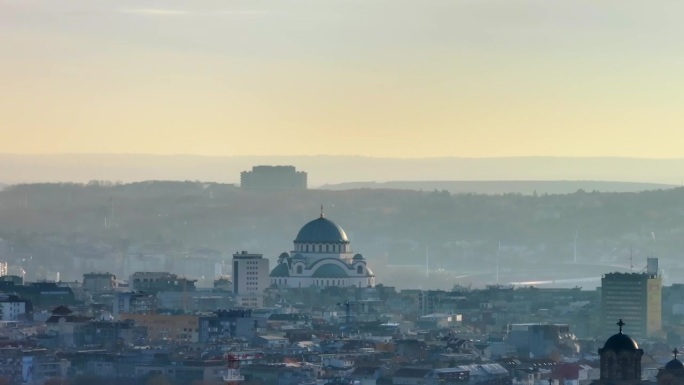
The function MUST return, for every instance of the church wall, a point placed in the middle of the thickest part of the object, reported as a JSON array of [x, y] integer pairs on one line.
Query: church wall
[[323, 282]]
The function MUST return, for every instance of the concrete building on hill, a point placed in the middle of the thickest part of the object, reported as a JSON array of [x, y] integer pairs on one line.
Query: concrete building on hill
[[273, 178]]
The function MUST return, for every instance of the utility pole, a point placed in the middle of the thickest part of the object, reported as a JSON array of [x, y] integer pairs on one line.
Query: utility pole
[[498, 250]]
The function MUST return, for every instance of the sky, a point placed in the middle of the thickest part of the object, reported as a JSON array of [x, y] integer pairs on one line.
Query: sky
[[382, 78]]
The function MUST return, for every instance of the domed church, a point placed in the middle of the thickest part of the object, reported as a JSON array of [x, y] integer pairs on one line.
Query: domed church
[[322, 256], [672, 373], [621, 360]]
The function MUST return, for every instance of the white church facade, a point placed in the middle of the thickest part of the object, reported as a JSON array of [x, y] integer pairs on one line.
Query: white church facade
[[322, 256]]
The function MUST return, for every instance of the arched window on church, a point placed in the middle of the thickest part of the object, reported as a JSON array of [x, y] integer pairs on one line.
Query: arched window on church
[[359, 270], [327, 248], [299, 269]]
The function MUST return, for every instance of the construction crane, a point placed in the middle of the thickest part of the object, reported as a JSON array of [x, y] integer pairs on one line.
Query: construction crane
[[348, 310]]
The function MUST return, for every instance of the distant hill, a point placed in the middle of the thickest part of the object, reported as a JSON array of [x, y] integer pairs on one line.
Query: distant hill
[[76, 228], [503, 187], [324, 169]]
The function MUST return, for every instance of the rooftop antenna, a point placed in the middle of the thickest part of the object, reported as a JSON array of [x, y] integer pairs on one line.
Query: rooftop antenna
[[427, 261], [322, 211]]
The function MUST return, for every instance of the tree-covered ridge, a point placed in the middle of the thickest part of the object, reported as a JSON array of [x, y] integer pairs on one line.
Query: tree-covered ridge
[[388, 226]]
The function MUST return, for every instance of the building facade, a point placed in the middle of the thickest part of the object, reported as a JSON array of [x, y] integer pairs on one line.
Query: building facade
[[250, 279], [322, 256], [154, 282], [634, 297], [99, 282], [273, 178], [134, 303], [13, 308]]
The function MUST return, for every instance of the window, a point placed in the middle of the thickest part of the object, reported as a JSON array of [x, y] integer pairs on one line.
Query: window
[[359, 270], [299, 269]]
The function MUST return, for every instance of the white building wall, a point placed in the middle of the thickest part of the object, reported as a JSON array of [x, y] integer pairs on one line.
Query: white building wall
[[250, 278], [11, 311]]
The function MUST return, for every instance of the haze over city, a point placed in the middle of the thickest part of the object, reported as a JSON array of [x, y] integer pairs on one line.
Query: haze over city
[[381, 78]]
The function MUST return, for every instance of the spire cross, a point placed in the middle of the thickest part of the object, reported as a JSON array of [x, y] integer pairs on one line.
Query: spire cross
[[620, 324], [675, 352], [321, 211]]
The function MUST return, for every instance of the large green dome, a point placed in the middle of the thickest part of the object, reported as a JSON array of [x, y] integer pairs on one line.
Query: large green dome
[[321, 230]]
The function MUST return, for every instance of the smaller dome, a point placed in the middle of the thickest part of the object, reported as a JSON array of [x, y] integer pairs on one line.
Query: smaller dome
[[675, 364], [620, 342], [358, 257], [280, 271], [330, 270], [284, 256]]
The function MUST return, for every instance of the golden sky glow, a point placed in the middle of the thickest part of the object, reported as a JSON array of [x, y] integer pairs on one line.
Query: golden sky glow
[[397, 78]]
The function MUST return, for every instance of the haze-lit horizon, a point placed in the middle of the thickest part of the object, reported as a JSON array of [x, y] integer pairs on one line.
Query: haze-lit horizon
[[399, 79]]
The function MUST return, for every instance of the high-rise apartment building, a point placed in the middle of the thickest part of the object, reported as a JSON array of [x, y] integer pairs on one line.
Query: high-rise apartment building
[[635, 298], [250, 279], [273, 178]]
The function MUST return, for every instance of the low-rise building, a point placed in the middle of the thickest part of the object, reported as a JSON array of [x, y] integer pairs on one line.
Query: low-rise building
[[167, 327], [99, 282], [13, 308], [133, 303], [154, 282]]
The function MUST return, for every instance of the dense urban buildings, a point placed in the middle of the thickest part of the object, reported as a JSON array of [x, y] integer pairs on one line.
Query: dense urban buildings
[[634, 297], [320, 318], [273, 178], [322, 256]]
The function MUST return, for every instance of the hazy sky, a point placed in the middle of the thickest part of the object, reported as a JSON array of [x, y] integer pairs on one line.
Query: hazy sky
[[404, 78]]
